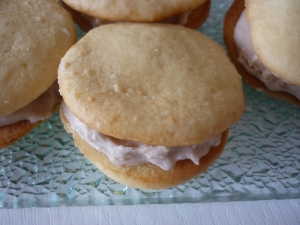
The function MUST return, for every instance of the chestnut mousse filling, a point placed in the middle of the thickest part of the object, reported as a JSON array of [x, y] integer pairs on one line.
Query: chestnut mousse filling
[[130, 153], [39, 109]]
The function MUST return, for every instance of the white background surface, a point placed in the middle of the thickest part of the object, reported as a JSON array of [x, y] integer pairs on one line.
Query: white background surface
[[247, 212]]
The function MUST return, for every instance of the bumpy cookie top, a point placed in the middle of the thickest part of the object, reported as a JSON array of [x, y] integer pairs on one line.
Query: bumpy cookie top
[[34, 35], [153, 83], [275, 33], [133, 10]]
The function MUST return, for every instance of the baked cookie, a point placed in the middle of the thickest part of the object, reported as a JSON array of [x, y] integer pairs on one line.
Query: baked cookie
[[30, 55], [89, 14], [148, 96], [263, 42]]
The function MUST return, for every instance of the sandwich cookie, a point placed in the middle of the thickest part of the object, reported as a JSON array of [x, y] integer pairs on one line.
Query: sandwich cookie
[[263, 41], [89, 14], [34, 35], [149, 104]]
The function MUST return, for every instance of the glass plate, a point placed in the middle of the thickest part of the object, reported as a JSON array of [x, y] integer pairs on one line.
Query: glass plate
[[261, 160]]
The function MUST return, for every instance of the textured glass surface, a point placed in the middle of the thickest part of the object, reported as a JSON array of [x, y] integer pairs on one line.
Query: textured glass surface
[[261, 160]]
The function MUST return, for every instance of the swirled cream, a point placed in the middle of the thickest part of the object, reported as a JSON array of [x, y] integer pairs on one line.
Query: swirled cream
[[39, 109], [129, 153], [179, 19], [249, 60]]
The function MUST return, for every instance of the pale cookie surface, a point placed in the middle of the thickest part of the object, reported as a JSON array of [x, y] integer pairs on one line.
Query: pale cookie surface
[[151, 83], [34, 35], [133, 10], [275, 33]]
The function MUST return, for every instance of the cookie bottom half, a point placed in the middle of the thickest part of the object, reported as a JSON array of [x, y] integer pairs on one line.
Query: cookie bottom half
[[147, 176]]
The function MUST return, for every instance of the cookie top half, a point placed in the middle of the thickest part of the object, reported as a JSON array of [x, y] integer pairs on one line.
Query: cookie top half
[[275, 33], [153, 83], [34, 35], [133, 10]]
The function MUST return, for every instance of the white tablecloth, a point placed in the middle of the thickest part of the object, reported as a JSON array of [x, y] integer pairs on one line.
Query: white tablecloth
[[248, 212]]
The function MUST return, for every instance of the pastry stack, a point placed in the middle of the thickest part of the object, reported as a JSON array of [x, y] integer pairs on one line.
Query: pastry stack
[[263, 41], [150, 104], [30, 55], [89, 14]]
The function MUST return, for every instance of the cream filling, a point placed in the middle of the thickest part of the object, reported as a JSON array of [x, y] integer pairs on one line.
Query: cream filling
[[179, 19], [39, 109], [249, 60], [129, 153]]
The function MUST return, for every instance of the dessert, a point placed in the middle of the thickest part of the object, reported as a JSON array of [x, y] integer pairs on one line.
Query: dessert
[[30, 55], [263, 42], [89, 14], [146, 102]]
